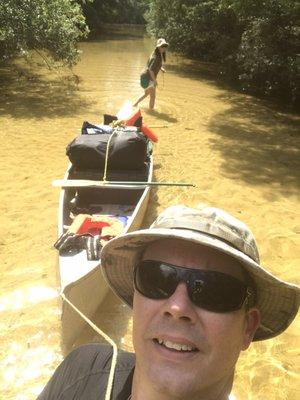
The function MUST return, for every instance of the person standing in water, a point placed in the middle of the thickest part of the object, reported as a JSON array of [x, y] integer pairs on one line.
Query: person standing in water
[[148, 76]]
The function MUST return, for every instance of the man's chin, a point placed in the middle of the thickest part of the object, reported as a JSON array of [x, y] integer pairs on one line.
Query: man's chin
[[173, 380]]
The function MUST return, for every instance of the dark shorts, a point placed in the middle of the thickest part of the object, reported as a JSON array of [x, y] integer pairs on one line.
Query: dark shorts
[[144, 80]]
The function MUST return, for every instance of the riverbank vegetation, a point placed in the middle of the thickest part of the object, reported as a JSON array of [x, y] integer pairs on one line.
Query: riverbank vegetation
[[99, 12], [253, 42], [54, 26]]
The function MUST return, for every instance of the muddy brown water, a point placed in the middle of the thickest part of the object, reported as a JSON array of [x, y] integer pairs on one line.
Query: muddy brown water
[[242, 154]]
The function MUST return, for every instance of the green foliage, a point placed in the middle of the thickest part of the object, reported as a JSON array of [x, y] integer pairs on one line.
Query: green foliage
[[98, 12], [266, 59], [253, 40], [52, 25], [197, 29]]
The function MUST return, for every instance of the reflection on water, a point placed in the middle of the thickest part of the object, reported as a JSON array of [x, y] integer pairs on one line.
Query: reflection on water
[[29, 349], [241, 154], [21, 298]]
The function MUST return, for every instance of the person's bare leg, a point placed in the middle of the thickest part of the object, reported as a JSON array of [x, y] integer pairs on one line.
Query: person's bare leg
[[141, 98], [152, 98]]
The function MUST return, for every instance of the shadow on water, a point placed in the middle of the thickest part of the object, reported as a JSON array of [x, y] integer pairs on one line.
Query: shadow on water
[[110, 32], [25, 94], [212, 73], [259, 145], [109, 36], [194, 69], [163, 116]]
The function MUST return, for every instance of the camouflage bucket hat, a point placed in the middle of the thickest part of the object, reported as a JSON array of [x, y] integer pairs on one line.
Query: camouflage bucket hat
[[277, 300]]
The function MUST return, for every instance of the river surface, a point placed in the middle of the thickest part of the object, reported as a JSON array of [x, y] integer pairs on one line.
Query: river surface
[[241, 152]]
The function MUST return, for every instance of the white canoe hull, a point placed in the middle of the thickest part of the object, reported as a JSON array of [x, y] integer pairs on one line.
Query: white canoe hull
[[81, 280]]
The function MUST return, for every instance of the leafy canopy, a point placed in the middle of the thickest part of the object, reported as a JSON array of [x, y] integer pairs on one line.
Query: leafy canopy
[[52, 25], [253, 40]]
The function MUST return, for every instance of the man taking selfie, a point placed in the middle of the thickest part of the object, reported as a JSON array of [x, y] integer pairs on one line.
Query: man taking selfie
[[199, 297]]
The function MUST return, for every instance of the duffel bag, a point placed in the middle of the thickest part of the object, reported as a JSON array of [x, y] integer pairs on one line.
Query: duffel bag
[[127, 150]]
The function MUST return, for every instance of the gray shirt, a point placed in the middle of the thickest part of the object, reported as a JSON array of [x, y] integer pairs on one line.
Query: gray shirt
[[84, 375]]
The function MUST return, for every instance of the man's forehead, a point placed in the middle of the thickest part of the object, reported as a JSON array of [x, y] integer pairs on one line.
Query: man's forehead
[[192, 255], [179, 246]]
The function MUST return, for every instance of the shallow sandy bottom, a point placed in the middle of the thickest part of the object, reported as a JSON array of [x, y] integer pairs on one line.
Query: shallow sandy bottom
[[241, 153]]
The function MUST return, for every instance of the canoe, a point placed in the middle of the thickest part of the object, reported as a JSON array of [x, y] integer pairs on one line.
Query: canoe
[[121, 209]]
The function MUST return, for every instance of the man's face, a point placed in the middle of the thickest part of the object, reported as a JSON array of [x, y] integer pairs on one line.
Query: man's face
[[211, 341]]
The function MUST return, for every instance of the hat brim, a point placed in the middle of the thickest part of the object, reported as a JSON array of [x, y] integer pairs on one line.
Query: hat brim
[[163, 45], [277, 300]]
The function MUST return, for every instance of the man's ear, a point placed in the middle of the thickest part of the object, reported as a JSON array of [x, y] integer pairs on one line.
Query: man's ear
[[252, 322]]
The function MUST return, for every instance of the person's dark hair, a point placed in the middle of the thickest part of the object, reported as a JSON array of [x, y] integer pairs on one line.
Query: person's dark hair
[[157, 53]]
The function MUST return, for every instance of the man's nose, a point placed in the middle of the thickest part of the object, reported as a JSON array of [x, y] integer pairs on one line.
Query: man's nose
[[179, 305]]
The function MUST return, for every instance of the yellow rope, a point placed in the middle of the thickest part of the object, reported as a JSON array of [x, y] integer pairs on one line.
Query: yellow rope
[[108, 339], [106, 155]]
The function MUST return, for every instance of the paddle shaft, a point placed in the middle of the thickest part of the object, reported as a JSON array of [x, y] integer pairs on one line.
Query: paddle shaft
[[83, 183]]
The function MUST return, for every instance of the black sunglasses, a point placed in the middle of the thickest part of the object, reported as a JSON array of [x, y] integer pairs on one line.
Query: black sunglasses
[[210, 290]]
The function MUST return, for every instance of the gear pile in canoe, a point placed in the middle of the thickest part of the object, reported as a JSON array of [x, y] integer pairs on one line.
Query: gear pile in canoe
[[91, 215]]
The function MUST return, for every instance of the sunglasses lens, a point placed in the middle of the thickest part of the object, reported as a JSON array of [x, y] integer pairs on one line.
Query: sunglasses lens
[[155, 280], [217, 292], [210, 290]]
